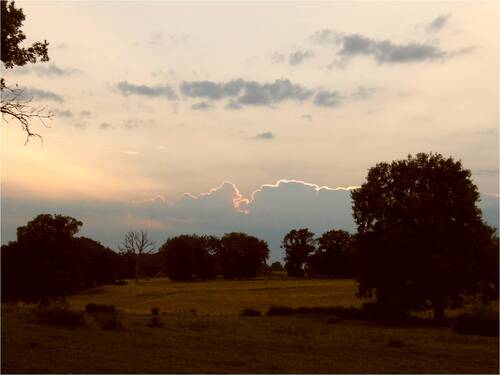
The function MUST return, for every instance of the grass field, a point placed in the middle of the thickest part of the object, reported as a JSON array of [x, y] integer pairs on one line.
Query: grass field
[[221, 297], [202, 332]]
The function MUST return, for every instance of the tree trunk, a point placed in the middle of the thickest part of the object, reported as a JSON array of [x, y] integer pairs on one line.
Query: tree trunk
[[137, 268]]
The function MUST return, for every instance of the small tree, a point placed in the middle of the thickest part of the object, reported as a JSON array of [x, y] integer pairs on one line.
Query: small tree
[[190, 257], [14, 104], [421, 238], [42, 264], [137, 243], [334, 255], [298, 244], [241, 255]]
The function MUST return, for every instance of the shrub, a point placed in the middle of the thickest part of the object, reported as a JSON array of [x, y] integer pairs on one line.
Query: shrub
[[470, 324], [111, 321], [94, 308], [59, 316], [155, 318], [250, 312], [279, 311]]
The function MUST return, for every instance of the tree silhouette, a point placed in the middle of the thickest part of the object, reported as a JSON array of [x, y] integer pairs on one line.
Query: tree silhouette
[[14, 104], [41, 264], [334, 255], [298, 244], [241, 255], [422, 241], [190, 257], [137, 243]]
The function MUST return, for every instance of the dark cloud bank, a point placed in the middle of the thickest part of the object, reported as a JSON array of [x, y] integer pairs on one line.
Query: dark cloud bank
[[273, 211]]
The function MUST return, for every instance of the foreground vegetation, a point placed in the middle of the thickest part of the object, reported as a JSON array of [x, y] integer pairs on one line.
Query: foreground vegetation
[[202, 332]]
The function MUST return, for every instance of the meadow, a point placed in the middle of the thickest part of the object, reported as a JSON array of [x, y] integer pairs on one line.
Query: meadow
[[203, 333]]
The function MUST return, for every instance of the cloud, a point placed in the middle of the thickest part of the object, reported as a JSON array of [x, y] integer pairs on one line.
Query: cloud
[[80, 125], [51, 70], [349, 46], [134, 123], [387, 52], [212, 90], [246, 93], [269, 212], [278, 58], [327, 98], [127, 89], [105, 125], [37, 94], [265, 136], [363, 92], [438, 23], [65, 113], [271, 93], [201, 106], [298, 57], [158, 39]]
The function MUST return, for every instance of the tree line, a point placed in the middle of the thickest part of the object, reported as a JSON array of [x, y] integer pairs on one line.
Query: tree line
[[421, 242]]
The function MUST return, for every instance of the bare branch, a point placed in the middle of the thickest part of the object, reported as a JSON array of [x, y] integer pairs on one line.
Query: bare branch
[[14, 105]]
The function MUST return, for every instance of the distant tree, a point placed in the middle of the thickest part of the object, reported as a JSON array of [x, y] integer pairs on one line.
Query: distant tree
[[41, 264], [298, 244], [190, 257], [276, 267], [14, 105], [422, 241], [334, 255], [96, 264], [136, 244], [241, 255]]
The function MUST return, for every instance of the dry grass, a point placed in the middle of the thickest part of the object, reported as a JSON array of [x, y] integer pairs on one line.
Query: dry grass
[[191, 341], [221, 297]]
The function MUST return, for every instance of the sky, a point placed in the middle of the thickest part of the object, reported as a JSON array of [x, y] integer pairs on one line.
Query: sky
[[209, 117]]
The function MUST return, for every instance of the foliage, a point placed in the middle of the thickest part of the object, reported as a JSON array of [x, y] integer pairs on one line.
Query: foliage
[[190, 257], [480, 320], [95, 308], [298, 245], [59, 316], [48, 262], [334, 256], [155, 320], [111, 321], [249, 312], [13, 105], [421, 238], [276, 267], [241, 255]]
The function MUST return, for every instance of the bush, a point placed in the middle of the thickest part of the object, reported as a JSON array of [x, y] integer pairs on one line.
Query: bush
[[111, 321], [94, 308], [59, 316], [155, 318], [470, 324], [250, 312], [279, 311]]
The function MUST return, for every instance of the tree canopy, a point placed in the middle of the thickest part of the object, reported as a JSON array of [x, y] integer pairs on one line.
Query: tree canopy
[[298, 245], [421, 238]]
